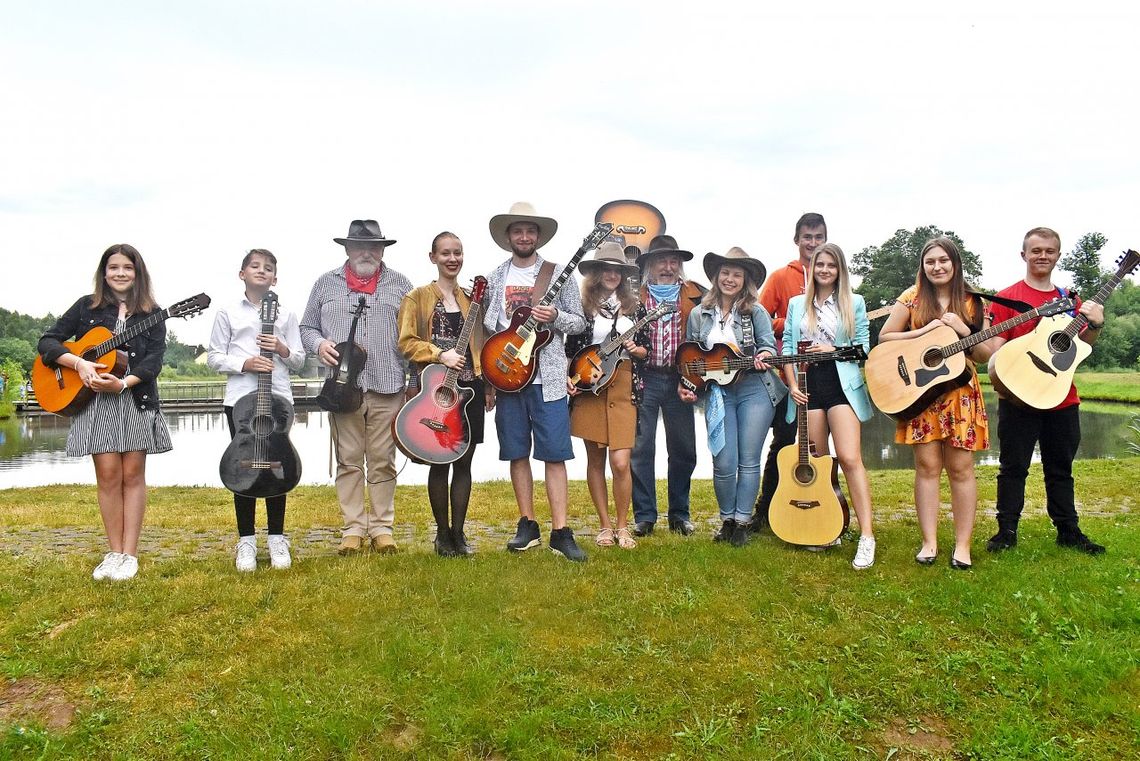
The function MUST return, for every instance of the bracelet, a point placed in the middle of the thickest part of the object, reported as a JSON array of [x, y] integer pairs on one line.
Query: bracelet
[[125, 386], [1094, 326]]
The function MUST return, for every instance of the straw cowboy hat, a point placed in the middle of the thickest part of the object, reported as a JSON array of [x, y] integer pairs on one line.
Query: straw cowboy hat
[[609, 253], [364, 231], [521, 211], [736, 256], [663, 244]]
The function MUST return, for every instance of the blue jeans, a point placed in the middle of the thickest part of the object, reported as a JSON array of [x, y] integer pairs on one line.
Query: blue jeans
[[660, 396], [748, 413]]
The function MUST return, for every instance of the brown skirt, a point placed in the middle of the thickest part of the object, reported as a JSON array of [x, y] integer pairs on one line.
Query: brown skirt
[[609, 419]]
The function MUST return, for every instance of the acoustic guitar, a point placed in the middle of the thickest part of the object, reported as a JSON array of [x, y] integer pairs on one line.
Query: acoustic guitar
[[432, 426], [808, 507], [339, 393], [882, 311], [59, 389], [722, 364], [635, 223], [508, 357], [260, 460], [593, 368], [1037, 368], [905, 376]]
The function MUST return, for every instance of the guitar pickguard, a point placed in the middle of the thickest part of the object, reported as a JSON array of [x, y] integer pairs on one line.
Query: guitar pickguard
[[1063, 360], [523, 352], [924, 376]]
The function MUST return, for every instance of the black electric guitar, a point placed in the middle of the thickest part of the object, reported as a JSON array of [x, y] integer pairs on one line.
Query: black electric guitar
[[260, 460], [340, 392], [592, 369]]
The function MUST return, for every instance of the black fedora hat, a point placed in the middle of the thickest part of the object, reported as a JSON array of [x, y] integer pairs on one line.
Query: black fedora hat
[[663, 244], [364, 231]]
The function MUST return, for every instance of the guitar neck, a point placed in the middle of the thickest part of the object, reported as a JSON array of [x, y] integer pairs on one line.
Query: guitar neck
[[567, 271], [802, 418], [461, 343], [988, 333], [141, 326], [617, 341], [265, 377], [1079, 322]]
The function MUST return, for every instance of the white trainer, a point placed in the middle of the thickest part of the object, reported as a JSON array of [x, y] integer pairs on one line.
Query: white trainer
[[245, 559], [864, 554], [126, 569], [110, 561], [279, 557]]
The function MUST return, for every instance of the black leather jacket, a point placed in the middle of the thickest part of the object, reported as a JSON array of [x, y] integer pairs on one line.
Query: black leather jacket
[[144, 351]]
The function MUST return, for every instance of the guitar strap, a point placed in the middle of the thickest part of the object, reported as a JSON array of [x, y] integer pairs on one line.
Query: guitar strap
[[541, 283], [1014, 304], [749, 347]]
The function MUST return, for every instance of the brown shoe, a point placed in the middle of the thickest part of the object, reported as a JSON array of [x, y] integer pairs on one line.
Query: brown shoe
[[384, 544], [350, 545]]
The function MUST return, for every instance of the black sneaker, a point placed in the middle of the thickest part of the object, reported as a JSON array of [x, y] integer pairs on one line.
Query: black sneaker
[[444, 543], [684, 528], [739, 536], [562, 542], [758, 524], [1004, 539], [725, 532], [462, 548], [643, 528], [525, 537], [1079, 541]]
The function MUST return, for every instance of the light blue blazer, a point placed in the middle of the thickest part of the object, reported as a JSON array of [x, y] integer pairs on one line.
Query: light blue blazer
[[850, 374]]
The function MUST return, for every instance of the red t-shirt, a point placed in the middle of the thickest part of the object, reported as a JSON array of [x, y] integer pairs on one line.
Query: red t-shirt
[[1023, 291]]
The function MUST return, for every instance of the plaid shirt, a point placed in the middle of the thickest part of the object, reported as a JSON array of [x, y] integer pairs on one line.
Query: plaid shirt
[[328, 316]]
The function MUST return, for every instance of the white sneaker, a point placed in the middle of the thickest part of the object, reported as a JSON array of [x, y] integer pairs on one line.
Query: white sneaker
[[246, 557], [865, 554], [126, 569], [110, 561], [279, 556]]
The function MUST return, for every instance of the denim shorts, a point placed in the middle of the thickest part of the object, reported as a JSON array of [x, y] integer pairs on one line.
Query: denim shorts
[[519, 415]]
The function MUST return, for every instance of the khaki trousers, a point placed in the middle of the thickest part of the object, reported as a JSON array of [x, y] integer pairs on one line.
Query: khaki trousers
[[366, 453]]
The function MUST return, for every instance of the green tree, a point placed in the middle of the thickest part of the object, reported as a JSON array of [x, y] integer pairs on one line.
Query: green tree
[[12, 379], [19, 351], [1084, 262]]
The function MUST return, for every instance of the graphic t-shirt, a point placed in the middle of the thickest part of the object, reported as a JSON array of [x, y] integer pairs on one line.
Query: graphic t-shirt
[[517, 291]]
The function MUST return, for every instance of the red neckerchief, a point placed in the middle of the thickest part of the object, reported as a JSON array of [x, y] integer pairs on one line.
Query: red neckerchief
[[358, 284]]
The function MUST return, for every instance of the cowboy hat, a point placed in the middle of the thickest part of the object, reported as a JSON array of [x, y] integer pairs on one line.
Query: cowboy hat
[[521, 211], [737, 257], [663, 244], [364, 231], [607, 254]]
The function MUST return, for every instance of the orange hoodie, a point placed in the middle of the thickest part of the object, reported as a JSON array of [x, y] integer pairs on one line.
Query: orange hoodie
[[780, 288]]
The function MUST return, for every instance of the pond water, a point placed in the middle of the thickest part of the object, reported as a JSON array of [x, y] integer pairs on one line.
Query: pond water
[[32, 449]]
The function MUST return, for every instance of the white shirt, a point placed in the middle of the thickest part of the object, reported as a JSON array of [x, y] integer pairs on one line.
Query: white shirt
[[234, 340], [604, 322], [722, 330]]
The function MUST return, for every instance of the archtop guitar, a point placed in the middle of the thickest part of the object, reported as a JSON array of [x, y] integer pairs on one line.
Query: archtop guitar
[[593, 368]]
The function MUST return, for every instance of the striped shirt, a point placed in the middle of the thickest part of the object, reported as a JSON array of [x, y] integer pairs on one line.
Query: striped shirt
[[328, 316]]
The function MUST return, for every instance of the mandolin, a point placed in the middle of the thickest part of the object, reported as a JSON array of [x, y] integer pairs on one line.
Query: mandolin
[[722, 364], [1037, 368], [260, 460], [905, 376], [340, 392], [508, 357], [807, 508], [432, 426], [59, 389], [593, 368], [636, 223]]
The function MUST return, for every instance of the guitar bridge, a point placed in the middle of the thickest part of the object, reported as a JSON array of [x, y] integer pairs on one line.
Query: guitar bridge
[[1042, 365], [261, 465], [804, 504], [903, 372], [435, 425]]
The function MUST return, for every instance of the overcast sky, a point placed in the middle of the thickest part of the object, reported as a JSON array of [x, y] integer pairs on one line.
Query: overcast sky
[[198, 130]]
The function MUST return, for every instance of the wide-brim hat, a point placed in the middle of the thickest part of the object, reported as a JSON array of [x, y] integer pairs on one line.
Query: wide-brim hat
[[736, 257], [663, 244], [608, 254], [364, 231], [521, 211]]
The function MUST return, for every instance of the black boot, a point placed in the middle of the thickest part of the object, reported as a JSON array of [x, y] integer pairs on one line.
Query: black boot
[[444, 543]]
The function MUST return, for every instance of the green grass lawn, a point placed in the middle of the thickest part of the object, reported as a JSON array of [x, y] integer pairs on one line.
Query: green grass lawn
[[1123, 386], [678, 649]]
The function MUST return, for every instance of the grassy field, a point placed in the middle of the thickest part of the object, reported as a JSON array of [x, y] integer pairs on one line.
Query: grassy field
[[678, 649], [1104, 387]]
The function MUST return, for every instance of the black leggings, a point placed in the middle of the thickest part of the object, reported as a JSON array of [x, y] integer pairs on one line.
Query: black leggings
[[459, 491], [245, 507]]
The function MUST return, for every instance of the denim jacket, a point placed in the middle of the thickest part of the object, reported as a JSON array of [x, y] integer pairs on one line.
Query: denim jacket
[[701, 323]]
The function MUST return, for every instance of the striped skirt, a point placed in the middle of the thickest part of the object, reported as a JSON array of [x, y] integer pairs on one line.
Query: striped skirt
[[113, 423]]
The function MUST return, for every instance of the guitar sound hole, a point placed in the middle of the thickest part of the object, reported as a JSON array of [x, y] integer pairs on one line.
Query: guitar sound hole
[[804, 473], [932, 358], [1059, 342], [444, 397], [261, 425]]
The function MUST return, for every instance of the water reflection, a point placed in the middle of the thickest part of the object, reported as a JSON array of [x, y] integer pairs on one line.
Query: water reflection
[[32, 449]]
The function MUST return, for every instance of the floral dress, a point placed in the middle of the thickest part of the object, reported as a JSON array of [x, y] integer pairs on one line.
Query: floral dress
[[958, 416]]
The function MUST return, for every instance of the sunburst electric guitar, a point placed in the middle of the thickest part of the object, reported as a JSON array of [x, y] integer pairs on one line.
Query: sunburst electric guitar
[[1037, 368], [808, 507], [722, 364], [508, 357], [593, 368]]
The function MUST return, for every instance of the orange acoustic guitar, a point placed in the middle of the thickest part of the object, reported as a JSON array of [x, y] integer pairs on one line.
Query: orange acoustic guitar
[[808, 507], [508, 357], [59, 389]]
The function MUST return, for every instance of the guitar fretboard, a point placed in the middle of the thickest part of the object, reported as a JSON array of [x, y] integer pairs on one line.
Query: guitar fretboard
[[452, 376], [984, 335], [617, 341], [141, 326]]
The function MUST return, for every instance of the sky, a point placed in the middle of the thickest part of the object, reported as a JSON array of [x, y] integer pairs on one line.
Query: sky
[[198, 130]]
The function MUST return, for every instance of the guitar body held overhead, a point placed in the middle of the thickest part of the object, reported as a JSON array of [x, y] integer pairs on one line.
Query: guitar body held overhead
[[432, 426], [808, 507], [65, 394], [260, 461], [508, 357], [905, 376]]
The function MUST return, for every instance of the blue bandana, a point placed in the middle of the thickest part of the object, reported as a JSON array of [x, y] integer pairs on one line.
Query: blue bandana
[[662, 293]]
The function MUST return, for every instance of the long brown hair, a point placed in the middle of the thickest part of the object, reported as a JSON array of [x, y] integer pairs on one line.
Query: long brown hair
[[593, 293], [842, 289], [927, 308], [141, 298]]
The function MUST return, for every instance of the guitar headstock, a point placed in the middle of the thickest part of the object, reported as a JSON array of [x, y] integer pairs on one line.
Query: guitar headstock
[[662, 309], [600, 232], [478, 288], [189, 307], [1057, 306], [269, 307], [850, 353], [1126, 264]]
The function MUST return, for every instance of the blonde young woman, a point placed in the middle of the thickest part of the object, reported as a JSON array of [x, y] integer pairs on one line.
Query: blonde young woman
[[946, 434], [829, 314], [607, 422]]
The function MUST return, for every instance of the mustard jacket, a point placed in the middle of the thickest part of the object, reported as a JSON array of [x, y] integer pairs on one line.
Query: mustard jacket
[[415, 325]]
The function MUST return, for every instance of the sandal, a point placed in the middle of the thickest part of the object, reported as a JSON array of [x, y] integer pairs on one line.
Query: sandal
[[624, 539], [605, 538]]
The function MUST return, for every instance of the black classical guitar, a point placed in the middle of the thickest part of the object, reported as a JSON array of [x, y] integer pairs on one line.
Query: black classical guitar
[[340, 392], [260, 460]]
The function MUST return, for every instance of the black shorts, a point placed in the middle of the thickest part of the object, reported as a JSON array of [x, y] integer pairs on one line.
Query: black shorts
[[824, 387]]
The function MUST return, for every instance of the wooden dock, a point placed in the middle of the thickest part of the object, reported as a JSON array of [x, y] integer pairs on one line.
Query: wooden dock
[[203, 395]]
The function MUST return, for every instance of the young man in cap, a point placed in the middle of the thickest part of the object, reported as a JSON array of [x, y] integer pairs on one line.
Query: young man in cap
[[365, 447], [664, 280], [1020, 427], [539, 411], [784, 285]]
